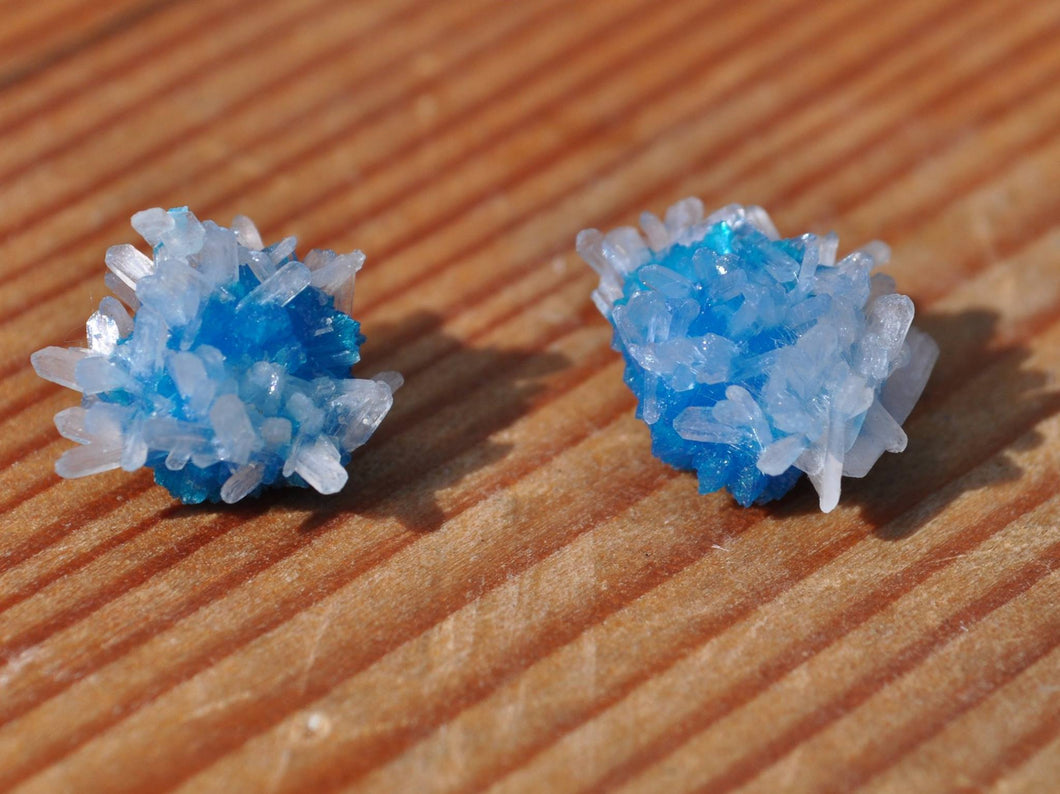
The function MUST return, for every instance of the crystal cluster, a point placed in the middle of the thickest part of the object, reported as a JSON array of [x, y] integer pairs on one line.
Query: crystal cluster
[[756, 359], [233, 374]]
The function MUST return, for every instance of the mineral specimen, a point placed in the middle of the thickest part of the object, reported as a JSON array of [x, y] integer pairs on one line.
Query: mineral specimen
[[756, 359], [232, 376]]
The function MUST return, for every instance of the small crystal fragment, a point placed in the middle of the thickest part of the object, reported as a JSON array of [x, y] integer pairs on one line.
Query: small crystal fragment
[[279, 288], [128, 264], [242, 482], [93, 458], [59, 364], [757, 359], [247, 233]]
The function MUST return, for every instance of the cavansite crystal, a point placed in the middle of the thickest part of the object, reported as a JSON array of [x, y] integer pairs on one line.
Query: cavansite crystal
[[233, 373], [754, 358]]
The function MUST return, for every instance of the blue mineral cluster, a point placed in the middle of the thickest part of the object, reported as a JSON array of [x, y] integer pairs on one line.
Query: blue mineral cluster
[[757, 359], [221, 364]]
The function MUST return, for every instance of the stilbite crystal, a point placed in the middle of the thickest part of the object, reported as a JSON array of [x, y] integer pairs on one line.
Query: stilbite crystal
[[232, 376], [756, 359]]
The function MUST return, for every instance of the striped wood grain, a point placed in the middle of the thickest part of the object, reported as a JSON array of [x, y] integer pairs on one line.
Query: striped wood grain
[[511, 594]]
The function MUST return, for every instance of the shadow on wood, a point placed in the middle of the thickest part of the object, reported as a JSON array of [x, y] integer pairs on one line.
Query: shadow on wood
[[441, 426]]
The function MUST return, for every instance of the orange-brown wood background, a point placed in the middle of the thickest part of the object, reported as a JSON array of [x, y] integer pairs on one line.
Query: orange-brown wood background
[[511, 595]]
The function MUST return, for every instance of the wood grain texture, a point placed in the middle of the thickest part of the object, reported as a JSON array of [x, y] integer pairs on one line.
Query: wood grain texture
[[512, 595]]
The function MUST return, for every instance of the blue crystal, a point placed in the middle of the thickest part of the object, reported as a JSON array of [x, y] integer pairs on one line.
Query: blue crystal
[[233, 375], [755, 359]]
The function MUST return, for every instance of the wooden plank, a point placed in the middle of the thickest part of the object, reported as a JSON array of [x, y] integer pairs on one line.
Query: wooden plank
[[511, 594]]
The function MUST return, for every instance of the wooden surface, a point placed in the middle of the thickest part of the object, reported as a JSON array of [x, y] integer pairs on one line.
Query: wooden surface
[[511, 595]]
